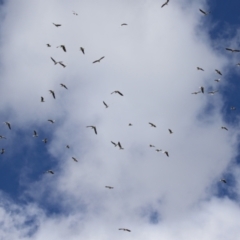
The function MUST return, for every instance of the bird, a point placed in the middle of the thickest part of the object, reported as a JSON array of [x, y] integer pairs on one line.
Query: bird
[[151, 145], [93, 127], [217, 80], [158, 150], [63, 48], [63, 85], [51, 121], [125, 229], [2, 151], [129, 124], [205, 13], [232, 108], [124, 24], [105, 104], [196, 92], [232, 50], [224, 128], [201, 69], [212, 92], [74, 13], [166, 152], [57, 25], [223, 180], [202, 89], [53, 94], [218, 72], [98, 60], [74, 159], [170, 131], [152, 125], [62, 64], [115, 144], [82, 49], [120, 146], [8, 124], [67, 146], [117, 92], [35, 134], [48, 45], [55, 62], [50, 171], [109, 187], [45, 140], [42, 99], [2, 137], [165, 3]]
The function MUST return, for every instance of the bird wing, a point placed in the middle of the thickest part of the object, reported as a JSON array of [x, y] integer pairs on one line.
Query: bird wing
[[101, 58], [63, 47], [53, 60], [62, 64], [229, 49], [82, 49], [202, 12], [96, 61], [95, 129], [105, 104], [119, 93]]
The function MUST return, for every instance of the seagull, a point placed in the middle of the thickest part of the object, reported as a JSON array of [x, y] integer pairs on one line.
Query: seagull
[[8, 124], [57, 25], [3, 151], [124, 229], [202, 89], [166, 152], [93, 127], [74, 13], [51, 121], [232, 108], [67, 146], [63, 85], [170, 131], [2, 137], [55, 62], [212, 92], [99, 60], [115, 144], [224, 128], [105, 104], [50, 171], [62, 64], [152, 125], [196, 92], [158, 150], [45, 140], [53, 94], [109, 187], [217, 80], [63, 48], [201, 69], [117, 92], [129, 124], [205, 13], [223, 180], [232, 50], [165, 3], [48, 45], [74, 159], [82, 49], [42, 99], [35, 134], [120, 146], [123, 24], [218, 72], [151, 145]]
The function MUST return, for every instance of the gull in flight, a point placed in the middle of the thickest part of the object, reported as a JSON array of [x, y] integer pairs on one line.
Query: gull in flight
[[82, 49], [170, 131], [45, 140], [124, 229], [99, 60], [48, 45], [42, 99], [93, 127], [205, 13], [232, 50], [109, 187], [63, 85], [35, 134], [166, 152], [63, 48], [74, 159], [201, 69], [53, 94], [151, 145], [120, 146], [105, 104], [117, 92], [67, 146], [213, 92], [62, 64], [218, 72], [224, 128], [55, 62], [123, 24], [217, 80], [223, 180], [158, 150], [50, 171], [8, 124], [202, 89], [152, 125], [57, 25], [51, 121], [2, 137], [166, 3]]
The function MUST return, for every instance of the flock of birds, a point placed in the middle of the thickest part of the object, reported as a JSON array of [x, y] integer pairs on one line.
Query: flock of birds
[[118, 144]]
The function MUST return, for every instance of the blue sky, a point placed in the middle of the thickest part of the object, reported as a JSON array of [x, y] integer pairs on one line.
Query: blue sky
[[153, 61]]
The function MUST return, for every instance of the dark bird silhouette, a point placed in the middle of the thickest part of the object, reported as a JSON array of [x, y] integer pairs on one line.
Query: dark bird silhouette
[[166, 3], [117, 92], [170, 131], [152, 125], [8, 124], [53, 94], [224, 128], [166, 152], [2, 137], [218, 72], [115, 144], [42, 99], [74, 159], [98, 60], [82, 49], [212, 92], [223, 180], [62, 64], [50, 171], [232, 50], [48, 45], [158, 150], [202, 89], [201, 69], [74, 13], [109, 187], [57, 25], [2, 151], [55, 62], [129, 124], [123, 24], [67, 146], [203, 12], [151, 145], [35, 134], [217, 80], [93, 127], [45, 140], [105, 104], [63, 85], [63, 48], [120, 146], [124, 229], [51, 121]]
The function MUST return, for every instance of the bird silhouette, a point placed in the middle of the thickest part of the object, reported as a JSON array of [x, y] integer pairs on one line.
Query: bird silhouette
[[98, 60], [93, 127]]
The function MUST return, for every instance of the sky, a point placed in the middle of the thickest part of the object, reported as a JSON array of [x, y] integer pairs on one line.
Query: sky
[[152, 61]]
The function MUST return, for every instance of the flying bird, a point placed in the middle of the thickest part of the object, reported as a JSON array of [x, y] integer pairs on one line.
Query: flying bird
[[158, 150], [98, 60], [152, 125], [35, 134], [151, 145], [2, 151], [224, 128], [63, 85], [165, 3], [8, 124], [105, 104], [74, 13], [117, 92], [205, 13], [217, 80], [53, 94], [201, 69], [45, 140], [218, 72], [124, 229], [232, 50], [50, 171], [212, 92], [123, 24], [166, 152], [48, 45], [170, 131], [93, 127], [202, 89], [129, 124], [63, 48], [42, 99], [2, 137], [109, 187], [120, 146], [57, 25], [74, 159], [82, 49], [51, 121], [223, 180], [67, 146]]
